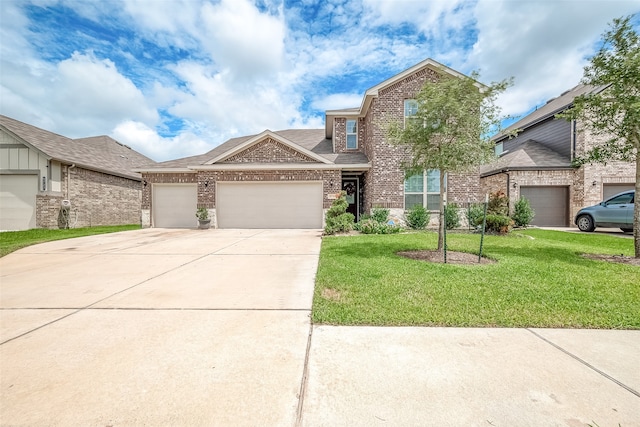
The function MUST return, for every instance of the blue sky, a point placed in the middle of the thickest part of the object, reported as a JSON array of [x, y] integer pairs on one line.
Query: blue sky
[[176, 78]]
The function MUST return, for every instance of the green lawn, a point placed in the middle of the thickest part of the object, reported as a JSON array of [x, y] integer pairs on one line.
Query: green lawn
[[13, 240], [540, 280]]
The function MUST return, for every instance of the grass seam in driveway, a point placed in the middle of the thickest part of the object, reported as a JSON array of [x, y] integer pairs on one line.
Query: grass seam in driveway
[[540, 280]]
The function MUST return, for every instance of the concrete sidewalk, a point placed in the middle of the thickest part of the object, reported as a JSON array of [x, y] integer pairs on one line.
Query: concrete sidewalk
[[411, 376]]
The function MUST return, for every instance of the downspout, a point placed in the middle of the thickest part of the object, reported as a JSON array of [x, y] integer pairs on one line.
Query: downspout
[[68, 180], [508, 191]]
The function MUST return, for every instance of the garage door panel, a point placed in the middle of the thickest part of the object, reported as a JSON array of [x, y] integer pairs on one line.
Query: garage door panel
[[551, 205], [174, 205], [609, 190], [269, 205], [18, 201]]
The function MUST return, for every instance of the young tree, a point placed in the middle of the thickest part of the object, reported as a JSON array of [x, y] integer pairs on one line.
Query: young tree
[[612, 110], [451, 129]]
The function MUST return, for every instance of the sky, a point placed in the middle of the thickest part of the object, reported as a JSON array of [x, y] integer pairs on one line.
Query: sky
[[174, 78]]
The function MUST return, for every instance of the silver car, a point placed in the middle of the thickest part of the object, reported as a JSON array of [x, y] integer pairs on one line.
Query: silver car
[[615, 212]]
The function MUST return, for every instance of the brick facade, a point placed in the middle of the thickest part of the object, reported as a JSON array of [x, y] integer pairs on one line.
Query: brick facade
[[96, 199], [269, 151]]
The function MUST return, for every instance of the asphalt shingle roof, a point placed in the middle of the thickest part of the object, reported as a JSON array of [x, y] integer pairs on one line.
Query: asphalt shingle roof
[[311, 139], [528, 155], [101, 153]]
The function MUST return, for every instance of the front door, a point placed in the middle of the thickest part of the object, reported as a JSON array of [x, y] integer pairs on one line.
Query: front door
[[350, 186]]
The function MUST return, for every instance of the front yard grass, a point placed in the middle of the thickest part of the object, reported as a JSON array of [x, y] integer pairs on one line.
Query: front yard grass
[[540, 280], [11, 241]]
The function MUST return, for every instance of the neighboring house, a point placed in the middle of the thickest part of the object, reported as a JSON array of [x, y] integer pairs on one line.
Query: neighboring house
[[50, 181], [289, 178], [537, 165]]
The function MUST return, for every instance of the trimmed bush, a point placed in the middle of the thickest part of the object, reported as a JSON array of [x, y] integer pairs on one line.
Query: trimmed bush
[[498, 203], [337, 219], [474, 214], [381, 215], [371, 226], [500, 224], [451, 216], [417, 217], [523, 213]]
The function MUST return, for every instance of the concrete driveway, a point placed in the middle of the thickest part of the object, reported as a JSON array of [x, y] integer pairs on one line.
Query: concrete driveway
[[211, 328], [157, 327]]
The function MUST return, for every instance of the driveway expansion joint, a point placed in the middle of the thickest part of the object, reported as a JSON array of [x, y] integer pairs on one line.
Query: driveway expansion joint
[[585, 363]]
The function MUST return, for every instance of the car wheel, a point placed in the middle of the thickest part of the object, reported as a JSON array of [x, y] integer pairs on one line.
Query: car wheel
[[627, 230], [585, 223]]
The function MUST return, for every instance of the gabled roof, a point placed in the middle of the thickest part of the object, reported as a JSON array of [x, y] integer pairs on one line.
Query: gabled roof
[[529, 155], [310, 142], [373, 92], [261, 137], [550, 109], [99, 153]]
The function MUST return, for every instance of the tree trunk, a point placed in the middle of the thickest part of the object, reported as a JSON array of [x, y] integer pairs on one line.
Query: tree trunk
[[441, 221], [636, 210]]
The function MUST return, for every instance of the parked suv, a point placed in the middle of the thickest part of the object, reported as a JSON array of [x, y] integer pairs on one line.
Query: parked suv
[[615, 212]]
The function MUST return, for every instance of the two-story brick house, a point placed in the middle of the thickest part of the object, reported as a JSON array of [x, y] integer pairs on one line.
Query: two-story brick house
[[537, 165], [287, 179]]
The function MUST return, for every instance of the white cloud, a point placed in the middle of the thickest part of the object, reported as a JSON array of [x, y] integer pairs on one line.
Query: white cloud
[[145, 140], [338, 101], [544, 45]]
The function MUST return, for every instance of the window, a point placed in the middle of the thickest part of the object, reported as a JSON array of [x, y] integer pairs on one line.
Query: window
[[622, 199], [499, 148], [410, 108], [423, 189], [352, 135]]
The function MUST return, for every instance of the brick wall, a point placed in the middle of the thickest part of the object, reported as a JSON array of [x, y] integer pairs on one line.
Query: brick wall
[[269, 151], [96, 199], [340, 135]]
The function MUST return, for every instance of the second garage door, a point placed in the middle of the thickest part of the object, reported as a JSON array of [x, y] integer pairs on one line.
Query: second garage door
[[269, 204], [174, 205], [609, 190], [551, 205], [18, 201]]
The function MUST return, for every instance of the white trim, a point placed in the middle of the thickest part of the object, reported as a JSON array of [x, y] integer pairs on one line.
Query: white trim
[[166, 170], [280, 166], [261, 137]]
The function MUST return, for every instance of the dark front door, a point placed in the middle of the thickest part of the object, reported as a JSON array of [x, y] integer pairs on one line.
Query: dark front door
[[350, 186]]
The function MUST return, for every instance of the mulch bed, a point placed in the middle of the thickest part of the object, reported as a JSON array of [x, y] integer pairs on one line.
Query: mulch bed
[[621, 259], [452, 257]]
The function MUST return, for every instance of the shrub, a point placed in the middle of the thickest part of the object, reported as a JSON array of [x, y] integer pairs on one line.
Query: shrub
[[474, 214], [371, 226], [523, 213], [498, 223], [451, 216], [417, 217], [381, 215], [337, 218], [498, 203]]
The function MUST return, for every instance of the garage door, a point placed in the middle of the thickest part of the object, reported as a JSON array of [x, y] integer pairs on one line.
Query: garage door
[[269, 204], [551, 205], [609, 190], [18, 201], [174, 205]]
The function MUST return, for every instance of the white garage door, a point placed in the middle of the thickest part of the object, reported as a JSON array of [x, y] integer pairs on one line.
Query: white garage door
[[551, 205], [18, 201], [174, 205], [269, 204]]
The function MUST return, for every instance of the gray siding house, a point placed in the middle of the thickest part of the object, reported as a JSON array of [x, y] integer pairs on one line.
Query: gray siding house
[[537, 165], [50, 181]]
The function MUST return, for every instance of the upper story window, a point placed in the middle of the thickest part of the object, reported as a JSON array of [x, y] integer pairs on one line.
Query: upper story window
[[352, 134], [423, 189], [410, 108], [499, 148]]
